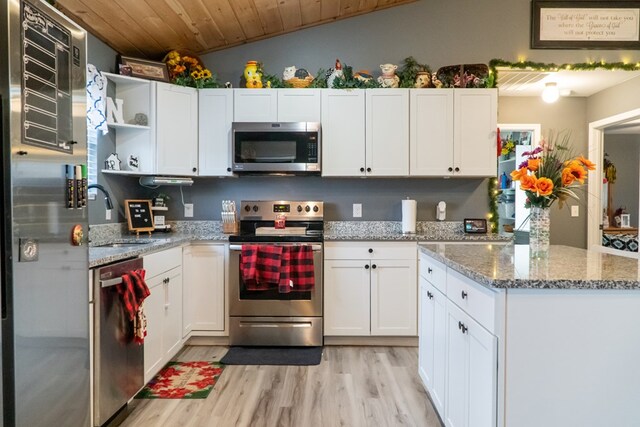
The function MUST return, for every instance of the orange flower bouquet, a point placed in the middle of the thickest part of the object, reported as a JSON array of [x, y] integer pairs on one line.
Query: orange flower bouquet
[[189, 71], [551, 172]]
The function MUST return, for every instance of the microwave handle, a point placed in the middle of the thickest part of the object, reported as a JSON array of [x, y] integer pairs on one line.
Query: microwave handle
[[314, 248]]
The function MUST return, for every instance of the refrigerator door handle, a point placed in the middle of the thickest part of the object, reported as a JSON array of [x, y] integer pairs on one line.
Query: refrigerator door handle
[[3, 245]]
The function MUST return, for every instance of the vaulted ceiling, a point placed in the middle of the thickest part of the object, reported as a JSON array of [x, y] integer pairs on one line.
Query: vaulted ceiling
[[151, 28]]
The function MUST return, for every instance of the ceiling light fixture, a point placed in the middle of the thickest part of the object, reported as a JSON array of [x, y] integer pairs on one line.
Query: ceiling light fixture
[[550, 93]]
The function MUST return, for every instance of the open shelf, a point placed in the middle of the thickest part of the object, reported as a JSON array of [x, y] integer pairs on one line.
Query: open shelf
[[116, 172], [127, 126]]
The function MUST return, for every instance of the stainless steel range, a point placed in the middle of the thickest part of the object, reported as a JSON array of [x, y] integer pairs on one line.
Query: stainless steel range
[[268, 317]]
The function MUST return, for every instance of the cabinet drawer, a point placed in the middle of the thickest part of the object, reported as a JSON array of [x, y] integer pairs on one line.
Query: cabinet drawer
[[370, 250], [162, 261], [475, 300], [434, 271]]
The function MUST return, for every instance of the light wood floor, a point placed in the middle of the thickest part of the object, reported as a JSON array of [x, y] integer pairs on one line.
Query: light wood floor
[[352, 386]]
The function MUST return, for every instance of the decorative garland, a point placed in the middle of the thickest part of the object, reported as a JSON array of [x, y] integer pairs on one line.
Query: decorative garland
[[493, 217]]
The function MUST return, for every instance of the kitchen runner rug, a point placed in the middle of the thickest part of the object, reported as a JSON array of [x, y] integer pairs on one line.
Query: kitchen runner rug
[[183, 380], [298, 356]]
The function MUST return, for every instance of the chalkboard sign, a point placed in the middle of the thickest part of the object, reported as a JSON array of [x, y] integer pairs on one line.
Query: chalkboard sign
[[139, 215]]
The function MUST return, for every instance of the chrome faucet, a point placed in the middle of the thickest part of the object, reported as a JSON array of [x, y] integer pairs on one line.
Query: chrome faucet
[[107, 197]]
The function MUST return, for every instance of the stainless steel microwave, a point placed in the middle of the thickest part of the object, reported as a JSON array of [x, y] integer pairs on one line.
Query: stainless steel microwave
[[276, 147]]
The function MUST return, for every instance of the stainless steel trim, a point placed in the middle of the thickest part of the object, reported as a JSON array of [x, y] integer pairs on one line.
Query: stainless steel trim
[[110, 282], [275, 331], [274, 324], [275, 126], [314, 248]]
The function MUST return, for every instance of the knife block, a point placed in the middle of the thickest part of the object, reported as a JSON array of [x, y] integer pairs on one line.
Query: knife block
[[230, 227]]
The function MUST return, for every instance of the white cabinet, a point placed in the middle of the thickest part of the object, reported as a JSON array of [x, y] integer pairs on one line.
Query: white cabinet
[[370, 289], [215, 113], [387, 132], [203, 288], [177, 130], [453, 132], [343, 132], [163, 308], [365, 132], [138, 97], [299, 105], [255, 105]]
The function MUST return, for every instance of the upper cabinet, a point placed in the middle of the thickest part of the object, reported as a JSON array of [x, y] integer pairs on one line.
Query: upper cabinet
[[453, 132], [275, 105], [387, 132], [215, 111], [177, 130], [133, 140]]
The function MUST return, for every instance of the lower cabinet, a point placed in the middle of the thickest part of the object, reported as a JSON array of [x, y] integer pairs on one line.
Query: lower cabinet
[[203, 289], [370, 289], [163, 309]]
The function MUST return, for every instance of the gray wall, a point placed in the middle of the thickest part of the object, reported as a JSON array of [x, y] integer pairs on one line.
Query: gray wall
[[624, 153]]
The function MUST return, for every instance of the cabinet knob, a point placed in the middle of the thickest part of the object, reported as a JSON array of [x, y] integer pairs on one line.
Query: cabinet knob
[[361, 169], [464, 294], [462, 327], [228, 169], [368, 169], [450, 169], [429, 295], [21, 153], [72, 142], [366, 266], [374, 266], [194, 169], [370, 250], [457, 169], [429, 270]]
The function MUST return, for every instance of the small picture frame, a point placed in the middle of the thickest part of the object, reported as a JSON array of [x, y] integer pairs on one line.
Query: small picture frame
[[151, 70], [625, 220], [475, 225], [139, 216]]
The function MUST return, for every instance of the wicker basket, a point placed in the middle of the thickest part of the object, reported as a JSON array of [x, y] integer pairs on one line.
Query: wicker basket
[[299, 83]]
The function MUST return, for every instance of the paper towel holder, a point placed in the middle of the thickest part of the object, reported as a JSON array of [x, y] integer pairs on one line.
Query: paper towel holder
[[441, 211]]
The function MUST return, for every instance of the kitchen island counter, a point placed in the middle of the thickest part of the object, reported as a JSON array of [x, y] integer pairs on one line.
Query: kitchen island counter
[[509, 266]]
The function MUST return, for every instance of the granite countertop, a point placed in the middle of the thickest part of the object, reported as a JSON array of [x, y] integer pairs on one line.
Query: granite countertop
[[510, 267]]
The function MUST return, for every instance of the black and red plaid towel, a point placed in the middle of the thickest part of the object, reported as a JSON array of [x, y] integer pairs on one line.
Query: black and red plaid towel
[[288, 267], [133, 290], [296, 271]]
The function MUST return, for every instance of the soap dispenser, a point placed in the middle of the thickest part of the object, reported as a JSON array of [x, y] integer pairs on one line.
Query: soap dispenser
[[441, 211]]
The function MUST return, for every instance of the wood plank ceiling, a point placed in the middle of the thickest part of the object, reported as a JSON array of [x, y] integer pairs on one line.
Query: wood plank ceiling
[[151, 28]]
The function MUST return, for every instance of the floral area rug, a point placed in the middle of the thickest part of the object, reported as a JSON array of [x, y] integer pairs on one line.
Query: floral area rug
[[183, 380]]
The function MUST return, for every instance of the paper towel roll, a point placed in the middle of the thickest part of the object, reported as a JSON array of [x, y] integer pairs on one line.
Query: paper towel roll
[[409, 208]]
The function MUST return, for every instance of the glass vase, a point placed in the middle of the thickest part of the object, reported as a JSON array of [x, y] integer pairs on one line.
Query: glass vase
[[539, 232]]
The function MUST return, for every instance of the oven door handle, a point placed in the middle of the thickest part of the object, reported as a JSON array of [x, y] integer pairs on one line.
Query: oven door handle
[[314, 248]]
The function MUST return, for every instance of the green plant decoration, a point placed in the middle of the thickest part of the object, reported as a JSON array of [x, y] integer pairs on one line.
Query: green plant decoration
[[350, 82], [271, 80], [409, 70], [320, 81], [493, 192]]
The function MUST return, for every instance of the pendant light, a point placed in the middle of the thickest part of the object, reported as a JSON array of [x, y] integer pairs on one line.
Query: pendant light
[[550, 94]]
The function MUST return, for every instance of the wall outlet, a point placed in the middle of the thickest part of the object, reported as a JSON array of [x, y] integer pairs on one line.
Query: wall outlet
[[107, 216], [575, 210], [188, 210], [357, 210]]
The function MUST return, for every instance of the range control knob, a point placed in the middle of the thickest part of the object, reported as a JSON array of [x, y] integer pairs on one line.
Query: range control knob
[[255, 208], [247, 208], [307, 208], [315, 209], [299, 208]]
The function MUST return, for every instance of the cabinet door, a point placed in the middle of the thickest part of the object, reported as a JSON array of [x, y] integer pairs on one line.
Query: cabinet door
[[476, 120], [457, 369], [172, 339], [439, 352], [214, 132], [298, 105], [346, 297], [425, 334], [387, 132], [431, 132], [394, 293], [154, 311], [203, 288], [343, 132], [177, 129], [255, 105]]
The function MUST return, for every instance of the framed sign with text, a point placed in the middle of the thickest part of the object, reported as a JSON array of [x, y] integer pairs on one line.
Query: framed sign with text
[[585, 24]]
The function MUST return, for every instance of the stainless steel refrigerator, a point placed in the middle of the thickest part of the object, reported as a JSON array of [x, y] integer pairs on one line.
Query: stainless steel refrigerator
[[45, 315]]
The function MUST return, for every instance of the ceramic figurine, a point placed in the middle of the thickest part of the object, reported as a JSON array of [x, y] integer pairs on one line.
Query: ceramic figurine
[[388, 77], [363, 75], [435, 81], [423, 80], [289, 73], [252, 75], [337, 73]]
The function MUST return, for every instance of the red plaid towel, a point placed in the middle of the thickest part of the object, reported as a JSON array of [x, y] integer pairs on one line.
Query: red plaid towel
[[260, 266], [133, 290], [296, 272]]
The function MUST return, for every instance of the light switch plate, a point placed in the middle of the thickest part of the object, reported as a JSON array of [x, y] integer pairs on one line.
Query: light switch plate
[[107, 215], [188, 210], [575, 210], [357, 210]]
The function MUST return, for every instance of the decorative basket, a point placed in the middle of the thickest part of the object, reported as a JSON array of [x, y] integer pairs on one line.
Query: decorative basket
[[300, 83]]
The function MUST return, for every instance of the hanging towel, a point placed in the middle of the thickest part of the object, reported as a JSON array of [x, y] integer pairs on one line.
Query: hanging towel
[[96, 100], [297, 270], [133, 290], [260, 266]]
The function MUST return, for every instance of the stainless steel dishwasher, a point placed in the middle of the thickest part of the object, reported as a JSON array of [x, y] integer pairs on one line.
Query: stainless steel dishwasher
[[118, 360]]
